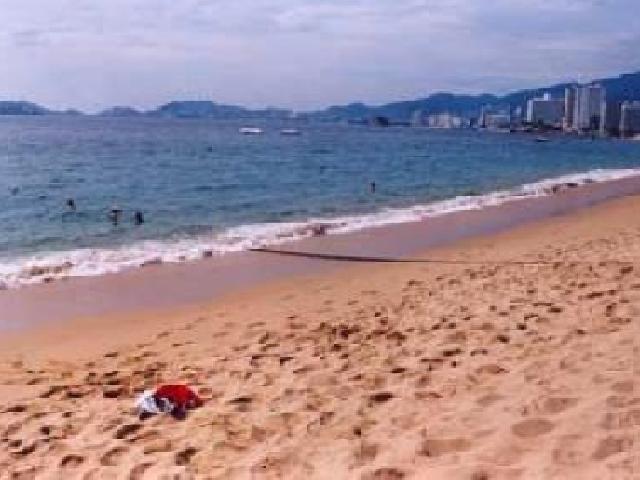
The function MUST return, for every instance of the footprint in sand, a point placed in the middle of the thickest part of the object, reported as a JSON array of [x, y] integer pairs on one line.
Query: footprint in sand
[[435, 447], [569, 451], [623, 387], [385, 473], [554, 405], [183, 457], [612, 445], [25, 473], [489, 399], [621, 420], [532, 427], [365, 453], [71, 461], [137, 472], [112, 457], [480, 475], [126, 430]]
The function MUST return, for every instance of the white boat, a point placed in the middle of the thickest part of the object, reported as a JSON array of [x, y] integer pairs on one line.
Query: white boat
[[251, 131], [290, 131]]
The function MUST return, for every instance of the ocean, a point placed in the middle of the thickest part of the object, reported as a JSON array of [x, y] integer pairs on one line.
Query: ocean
[[206, 190]]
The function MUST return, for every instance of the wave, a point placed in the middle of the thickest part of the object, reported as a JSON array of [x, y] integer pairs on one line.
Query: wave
[[50, 266]]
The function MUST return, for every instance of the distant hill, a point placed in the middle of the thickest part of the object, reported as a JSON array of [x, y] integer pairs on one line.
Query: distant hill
[[624, 87], [120, 112], [21, 108], [207, 109], [12, 107]]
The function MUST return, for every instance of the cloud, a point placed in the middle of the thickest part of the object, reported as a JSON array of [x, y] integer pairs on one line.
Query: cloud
[[303, 54]]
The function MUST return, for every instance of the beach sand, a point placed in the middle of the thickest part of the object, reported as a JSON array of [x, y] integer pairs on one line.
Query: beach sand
[[377, 371]]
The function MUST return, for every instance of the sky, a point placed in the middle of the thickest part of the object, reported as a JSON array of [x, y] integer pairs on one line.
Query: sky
[[92, 54]]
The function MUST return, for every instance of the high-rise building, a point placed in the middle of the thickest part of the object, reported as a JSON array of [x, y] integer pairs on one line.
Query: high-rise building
[[629, 119], [495, 117], [545, 111], [569, 108], [517, 117], [610, 118], [444, 120], [497, 121], [586, 112]]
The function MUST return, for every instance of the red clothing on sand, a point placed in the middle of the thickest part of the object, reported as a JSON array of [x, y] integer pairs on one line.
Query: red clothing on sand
[[179, 395]]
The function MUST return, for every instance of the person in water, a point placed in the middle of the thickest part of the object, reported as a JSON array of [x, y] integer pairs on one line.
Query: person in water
[[372, 187], [138, 218], [71, 204], [114, 215]]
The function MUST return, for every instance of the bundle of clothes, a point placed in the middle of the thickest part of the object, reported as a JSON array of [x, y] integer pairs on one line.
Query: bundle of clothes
[[172, 399]]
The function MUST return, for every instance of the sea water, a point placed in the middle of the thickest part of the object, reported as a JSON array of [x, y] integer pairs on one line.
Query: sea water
[[206, 190]]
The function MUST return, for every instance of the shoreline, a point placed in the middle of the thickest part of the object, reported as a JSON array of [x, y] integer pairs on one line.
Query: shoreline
[[51, 266], [174, 286]]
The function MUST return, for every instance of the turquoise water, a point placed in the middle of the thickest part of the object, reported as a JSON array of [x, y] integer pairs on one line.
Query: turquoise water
[[204, 187]]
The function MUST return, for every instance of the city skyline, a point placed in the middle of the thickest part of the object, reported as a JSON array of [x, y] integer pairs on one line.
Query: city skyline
[[92, 55]]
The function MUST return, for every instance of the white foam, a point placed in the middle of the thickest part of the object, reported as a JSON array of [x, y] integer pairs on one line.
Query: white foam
[[49, 266]]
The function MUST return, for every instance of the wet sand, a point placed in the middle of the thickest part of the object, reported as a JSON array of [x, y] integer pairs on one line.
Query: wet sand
[[367, 371]]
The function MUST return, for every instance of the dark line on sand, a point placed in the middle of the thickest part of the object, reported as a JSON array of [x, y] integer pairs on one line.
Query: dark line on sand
[[367, 259]]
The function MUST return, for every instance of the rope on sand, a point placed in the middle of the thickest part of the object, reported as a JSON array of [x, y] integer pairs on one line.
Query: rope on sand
[[369, 259]]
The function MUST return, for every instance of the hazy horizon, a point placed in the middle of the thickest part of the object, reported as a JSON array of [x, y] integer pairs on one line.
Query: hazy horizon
[[142, 53]]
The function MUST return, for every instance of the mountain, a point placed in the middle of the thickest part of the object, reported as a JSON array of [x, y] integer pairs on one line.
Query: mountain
[[438, 102], [120, 112], [21, 108], [624, 87], [69, 111], [11, 107], [207, 109], [195, 109]]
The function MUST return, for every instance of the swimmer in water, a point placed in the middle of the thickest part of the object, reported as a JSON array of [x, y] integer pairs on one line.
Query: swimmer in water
[[138, 218], [71, 204], [114, 215]]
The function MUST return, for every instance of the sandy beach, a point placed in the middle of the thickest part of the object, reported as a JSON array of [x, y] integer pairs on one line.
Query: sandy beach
[[478, 371]]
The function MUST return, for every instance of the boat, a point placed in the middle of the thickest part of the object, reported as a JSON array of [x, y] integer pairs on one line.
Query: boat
[[541, 139], [290, 131], [251, 131]]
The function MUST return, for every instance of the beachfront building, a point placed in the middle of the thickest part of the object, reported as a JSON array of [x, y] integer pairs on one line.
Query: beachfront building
[[495, 117], [587, 106], [569, 108], [444, 120], [610, 118], [545, 111], [418, 118], [517, 117], [497, 121], [630, 119]]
